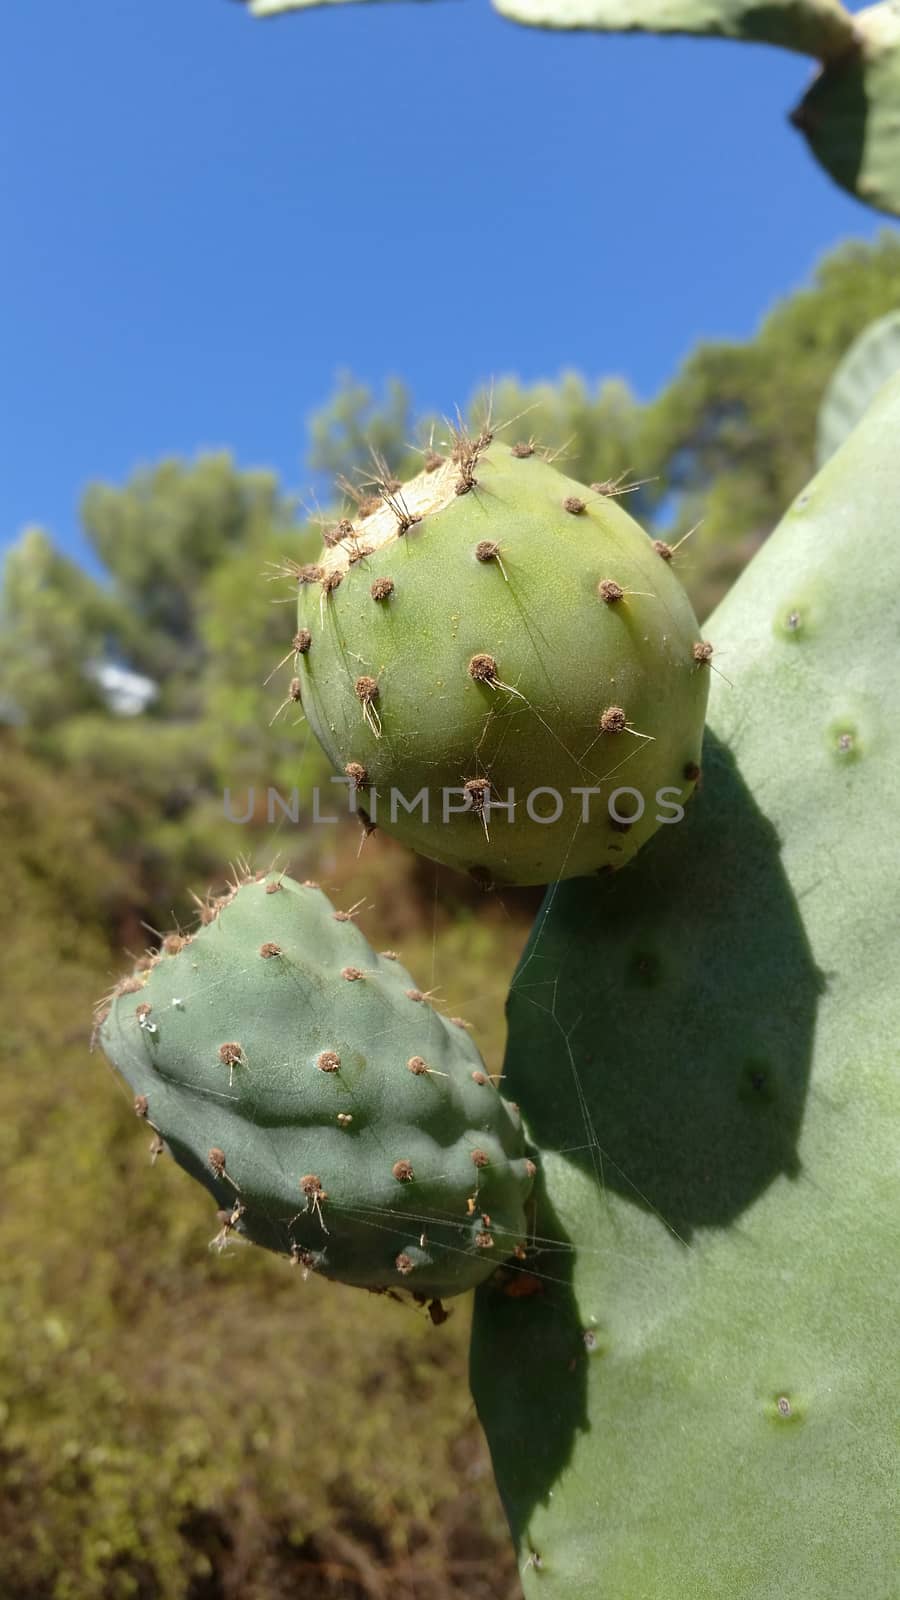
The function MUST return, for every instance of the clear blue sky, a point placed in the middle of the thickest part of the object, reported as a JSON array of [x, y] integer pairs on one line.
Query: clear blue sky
[[205, 217]]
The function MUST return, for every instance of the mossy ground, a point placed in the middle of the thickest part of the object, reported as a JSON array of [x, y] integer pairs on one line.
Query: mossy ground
[[176, 1424]]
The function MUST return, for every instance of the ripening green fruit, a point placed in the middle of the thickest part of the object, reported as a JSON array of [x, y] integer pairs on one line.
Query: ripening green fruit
[[334, 1114], [504, 667]]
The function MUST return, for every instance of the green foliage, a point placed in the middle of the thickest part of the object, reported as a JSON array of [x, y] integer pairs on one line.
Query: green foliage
[[189, 549], [246, 625], [448, 661], [55, 866], [163, 761], [160, 537], [355, 434], [734, 435], [702, 1402], [54, 622]]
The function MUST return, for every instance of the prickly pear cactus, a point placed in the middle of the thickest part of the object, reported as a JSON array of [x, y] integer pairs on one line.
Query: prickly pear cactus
[[872, 359], [330, 1110], [698, 1400], [848, 115], [821, 28], [494, 635]]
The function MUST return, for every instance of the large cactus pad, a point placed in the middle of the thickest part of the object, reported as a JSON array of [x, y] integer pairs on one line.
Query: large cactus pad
[[702, 1403]]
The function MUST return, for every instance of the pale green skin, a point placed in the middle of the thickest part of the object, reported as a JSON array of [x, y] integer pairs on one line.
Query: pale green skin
[[732, 1007], [821, 28], [566, 654], [872, 359], [274, 1115]]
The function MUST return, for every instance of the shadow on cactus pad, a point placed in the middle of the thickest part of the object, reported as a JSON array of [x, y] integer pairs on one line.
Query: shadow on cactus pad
[[690, 1085], [679, 1075]]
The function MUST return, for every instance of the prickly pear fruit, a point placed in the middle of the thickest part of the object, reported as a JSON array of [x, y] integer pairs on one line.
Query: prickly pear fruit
[[493, 632], [334, 1115]]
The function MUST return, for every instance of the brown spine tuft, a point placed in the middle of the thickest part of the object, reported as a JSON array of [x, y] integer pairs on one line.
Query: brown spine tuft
[[613, 720], [610, 591], [483, 668], [366, 690]]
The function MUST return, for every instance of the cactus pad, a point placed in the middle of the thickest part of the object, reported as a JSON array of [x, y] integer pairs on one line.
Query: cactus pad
[[334, 1115], [849, 113], [871, 360], [702, 1401], [493, 631], [813, 27]]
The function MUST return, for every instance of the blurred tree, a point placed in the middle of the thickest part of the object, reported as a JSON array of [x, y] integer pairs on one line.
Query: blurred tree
[[160, 537], [187, 548], [55, 622], [354, 428], [253, 731], [733, 436]]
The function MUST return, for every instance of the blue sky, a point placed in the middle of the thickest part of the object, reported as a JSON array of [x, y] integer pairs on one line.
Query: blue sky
[[205, 217]]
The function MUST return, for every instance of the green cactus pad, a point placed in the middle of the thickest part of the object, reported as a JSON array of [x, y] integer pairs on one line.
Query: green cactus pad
[[334, 1115], [821, 28], [494, 628], [849, 114], [872, 359], [276, 8], [699, 1400]]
